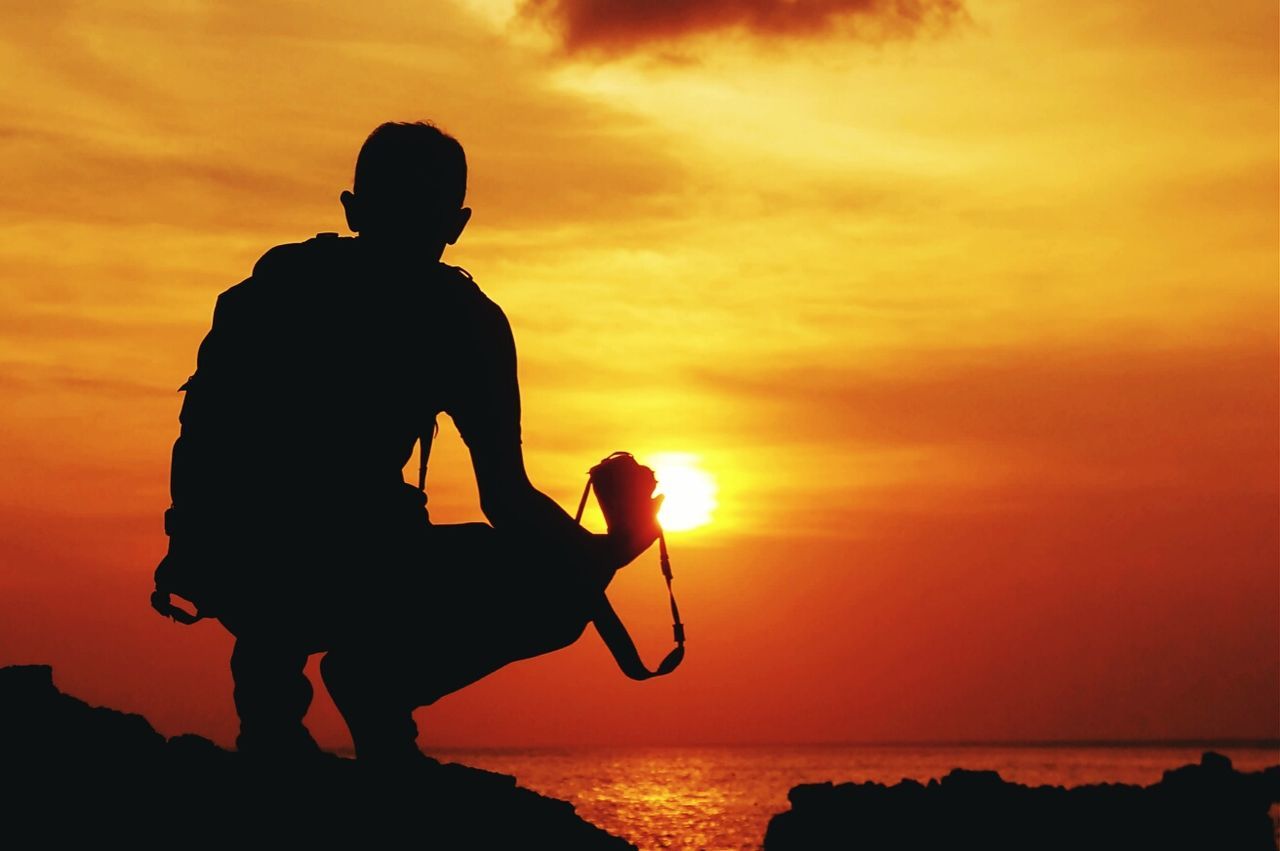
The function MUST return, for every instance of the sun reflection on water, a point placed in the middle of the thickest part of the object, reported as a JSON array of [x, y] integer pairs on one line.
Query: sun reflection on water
[[653, 795], [721, 798]]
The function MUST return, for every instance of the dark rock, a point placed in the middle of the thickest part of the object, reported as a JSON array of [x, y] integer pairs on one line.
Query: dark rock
[[1207, 806], [75, 773]]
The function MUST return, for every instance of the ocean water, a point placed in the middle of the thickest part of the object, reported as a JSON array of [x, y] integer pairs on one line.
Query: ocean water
[[721, 798]]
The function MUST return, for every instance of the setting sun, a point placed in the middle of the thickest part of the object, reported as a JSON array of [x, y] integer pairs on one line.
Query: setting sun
[[690, 491]]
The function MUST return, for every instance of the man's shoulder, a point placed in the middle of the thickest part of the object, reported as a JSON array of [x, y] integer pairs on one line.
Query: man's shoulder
[[317, 252], [291, 261], [282, 268], [463, 284]]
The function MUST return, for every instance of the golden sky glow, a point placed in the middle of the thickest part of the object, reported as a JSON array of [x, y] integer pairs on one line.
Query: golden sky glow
[[973, 328]]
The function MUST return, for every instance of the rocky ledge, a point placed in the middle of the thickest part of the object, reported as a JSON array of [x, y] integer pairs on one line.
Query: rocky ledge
[[79, 773], [1207, 806]]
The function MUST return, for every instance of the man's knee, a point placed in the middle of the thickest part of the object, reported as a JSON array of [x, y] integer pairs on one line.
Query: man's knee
[[348, 672], [251, 655], [269, 679]]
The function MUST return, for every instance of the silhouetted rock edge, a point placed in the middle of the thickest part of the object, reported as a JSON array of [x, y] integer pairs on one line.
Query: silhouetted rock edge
[[1209, 806], [92, 773]]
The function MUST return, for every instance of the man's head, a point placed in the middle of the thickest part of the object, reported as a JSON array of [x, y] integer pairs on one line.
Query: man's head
[[410, 182]]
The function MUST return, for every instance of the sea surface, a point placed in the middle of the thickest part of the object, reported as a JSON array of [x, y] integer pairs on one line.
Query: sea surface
[[720, 798]]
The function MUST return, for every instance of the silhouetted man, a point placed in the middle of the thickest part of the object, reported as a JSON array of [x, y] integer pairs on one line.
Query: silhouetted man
[[319, 373]]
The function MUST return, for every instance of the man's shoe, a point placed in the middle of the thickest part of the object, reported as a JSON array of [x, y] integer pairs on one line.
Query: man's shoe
[[396, 762], [293, 748]]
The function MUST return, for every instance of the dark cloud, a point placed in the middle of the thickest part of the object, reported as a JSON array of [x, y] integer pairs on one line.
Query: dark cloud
[[612, 27]]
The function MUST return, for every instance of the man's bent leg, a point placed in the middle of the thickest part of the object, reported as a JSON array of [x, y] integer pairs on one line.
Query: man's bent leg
[[368, 691], [272, 695]]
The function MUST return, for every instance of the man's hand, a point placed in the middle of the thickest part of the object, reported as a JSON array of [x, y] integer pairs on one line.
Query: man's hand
[[629, 541]]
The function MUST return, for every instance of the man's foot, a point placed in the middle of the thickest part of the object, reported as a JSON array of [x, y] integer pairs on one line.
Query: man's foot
[[398, 763], [295, 747]]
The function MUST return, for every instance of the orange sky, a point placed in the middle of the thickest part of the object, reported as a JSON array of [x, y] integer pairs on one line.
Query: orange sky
[[973, 318]]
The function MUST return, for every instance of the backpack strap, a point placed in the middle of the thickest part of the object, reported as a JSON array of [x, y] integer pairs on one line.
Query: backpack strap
[[614, 633], [424, 452], [162, 596]]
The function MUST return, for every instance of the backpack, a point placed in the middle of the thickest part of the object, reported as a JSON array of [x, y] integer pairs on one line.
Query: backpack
[[252, 353]]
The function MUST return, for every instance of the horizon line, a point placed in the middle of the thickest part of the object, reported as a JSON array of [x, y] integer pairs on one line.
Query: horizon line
[[1253, 743]]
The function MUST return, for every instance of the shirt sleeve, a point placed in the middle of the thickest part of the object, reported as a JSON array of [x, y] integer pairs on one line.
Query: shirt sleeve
[[486, 399]]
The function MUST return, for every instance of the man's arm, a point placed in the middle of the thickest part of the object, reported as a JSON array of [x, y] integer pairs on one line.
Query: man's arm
[[488, 418]]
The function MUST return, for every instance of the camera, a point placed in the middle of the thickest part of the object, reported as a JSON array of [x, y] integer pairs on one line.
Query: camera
[[624, 489]]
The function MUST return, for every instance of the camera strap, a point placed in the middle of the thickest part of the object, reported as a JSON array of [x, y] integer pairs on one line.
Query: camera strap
[[609, 626], [614, 633]]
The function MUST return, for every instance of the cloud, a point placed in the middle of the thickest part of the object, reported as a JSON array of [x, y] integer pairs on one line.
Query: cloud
[[1195, 418], [96, 137], [612, 27]]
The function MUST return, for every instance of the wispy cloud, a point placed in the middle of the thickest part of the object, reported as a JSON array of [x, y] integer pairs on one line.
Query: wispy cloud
[[611, 27]]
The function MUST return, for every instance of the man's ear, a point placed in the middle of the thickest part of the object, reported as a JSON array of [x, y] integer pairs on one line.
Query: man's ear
[[464, 216], [352, 205]]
